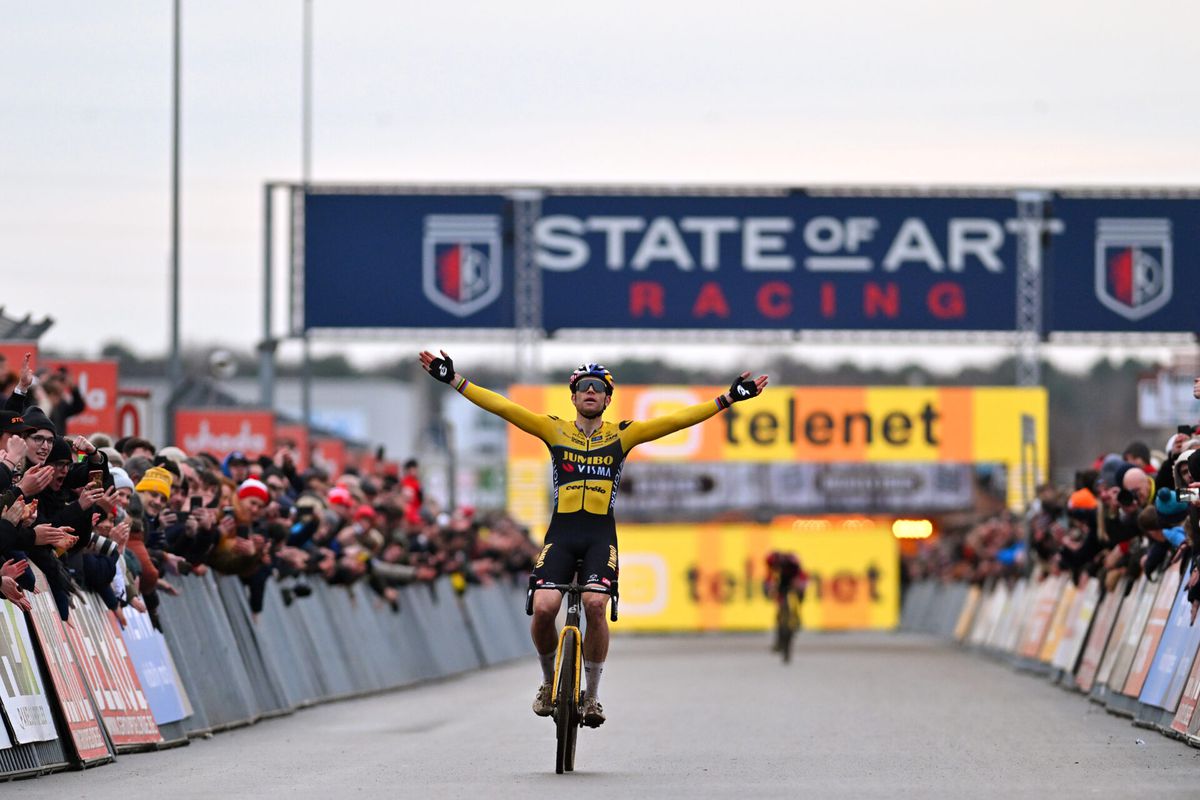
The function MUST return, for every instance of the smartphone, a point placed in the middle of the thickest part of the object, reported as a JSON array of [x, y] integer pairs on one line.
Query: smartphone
[[195, 502], [227, 511], [96, 478]]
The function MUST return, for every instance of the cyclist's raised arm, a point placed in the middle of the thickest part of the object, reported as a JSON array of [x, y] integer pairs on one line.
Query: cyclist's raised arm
[[442, 369], [635, 433]]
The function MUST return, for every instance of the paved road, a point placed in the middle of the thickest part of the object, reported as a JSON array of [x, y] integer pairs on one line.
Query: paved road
[[855, 715]]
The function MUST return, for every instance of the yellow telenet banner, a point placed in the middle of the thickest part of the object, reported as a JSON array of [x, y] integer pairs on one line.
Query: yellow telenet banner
[[711, 577], [960, 425]]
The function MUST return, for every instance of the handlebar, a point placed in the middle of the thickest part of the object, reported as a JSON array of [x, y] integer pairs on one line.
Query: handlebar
[[565, 588]]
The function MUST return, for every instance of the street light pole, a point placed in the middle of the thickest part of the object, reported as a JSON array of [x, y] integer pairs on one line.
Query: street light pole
[[175, 367]]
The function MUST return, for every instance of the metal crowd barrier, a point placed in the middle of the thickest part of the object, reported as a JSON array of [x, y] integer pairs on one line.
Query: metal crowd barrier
[[236, 668]]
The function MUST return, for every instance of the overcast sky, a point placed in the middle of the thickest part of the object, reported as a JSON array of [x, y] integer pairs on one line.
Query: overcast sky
[[1024, 92]]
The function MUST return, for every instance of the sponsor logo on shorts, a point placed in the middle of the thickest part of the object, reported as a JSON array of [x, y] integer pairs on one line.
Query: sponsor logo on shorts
[[541, 559], [612, 557]]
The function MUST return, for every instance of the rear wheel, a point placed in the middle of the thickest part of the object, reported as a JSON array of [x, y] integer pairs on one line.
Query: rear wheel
[[785, 633], [565, 711]]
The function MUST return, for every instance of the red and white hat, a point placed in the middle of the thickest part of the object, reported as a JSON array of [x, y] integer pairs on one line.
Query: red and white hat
[[340, 496], [252, 487]]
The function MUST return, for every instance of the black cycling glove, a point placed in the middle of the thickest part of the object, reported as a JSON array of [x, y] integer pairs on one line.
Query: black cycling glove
[[742, 389], [442, 369]]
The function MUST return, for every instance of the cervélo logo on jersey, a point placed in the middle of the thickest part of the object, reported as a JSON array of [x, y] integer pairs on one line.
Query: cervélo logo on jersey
[[1133, 265], [462, 262]]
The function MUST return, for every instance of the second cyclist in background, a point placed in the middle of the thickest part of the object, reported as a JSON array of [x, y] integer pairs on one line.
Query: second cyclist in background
[[785, 584]]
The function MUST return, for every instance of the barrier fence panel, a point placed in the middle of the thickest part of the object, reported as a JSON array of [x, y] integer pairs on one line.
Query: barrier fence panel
[[1079, 624], [1098, 637], [1057, 628], [1187, 703], [116, 691], [314, 611], [1116, 700], [221, 685], [284, 656], [490, 613], [966, 617], [1156, 623], [33, 745], [1171, 656], [71, 694], [1128, 609], [454, 624], [990, 618], [268, 698]]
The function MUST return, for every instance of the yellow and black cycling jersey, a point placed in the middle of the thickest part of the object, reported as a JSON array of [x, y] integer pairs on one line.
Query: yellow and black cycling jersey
[[587, 469]]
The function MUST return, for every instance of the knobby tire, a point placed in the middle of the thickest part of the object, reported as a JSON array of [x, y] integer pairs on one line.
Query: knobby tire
[[564, 711]]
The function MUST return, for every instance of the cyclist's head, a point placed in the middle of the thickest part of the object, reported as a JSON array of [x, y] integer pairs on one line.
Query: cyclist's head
[[591, 389], [595, 376]]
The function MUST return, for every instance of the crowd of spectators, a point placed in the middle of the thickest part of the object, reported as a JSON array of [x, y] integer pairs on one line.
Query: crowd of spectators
[[1129, 513], [121, 518]]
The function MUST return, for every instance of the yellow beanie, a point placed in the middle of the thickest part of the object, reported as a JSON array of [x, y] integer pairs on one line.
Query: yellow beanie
[[156, 479]]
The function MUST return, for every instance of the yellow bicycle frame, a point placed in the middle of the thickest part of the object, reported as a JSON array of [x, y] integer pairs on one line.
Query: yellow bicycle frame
[[558, 661]]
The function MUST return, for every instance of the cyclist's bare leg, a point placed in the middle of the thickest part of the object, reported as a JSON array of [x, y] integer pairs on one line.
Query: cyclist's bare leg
[[543, 629], [595, 643]]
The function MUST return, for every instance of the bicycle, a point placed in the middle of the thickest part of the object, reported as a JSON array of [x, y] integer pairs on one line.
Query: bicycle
[[787, 622], [568, 663]]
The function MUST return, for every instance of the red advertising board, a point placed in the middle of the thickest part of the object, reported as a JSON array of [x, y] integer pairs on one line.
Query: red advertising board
[[133, 412], [221, 431], [13, 354], [97, 382], [96, 641], [297, 436], [65, 674], [330, 454]]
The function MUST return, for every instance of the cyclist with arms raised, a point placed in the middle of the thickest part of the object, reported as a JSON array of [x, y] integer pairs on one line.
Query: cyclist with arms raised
[[587, 454]]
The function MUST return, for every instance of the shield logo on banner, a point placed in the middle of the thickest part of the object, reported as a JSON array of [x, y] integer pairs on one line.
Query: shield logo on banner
[[462, 263], [1133, 265]]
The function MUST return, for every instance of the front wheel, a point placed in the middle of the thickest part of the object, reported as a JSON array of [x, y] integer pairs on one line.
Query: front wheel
[[565, 710]]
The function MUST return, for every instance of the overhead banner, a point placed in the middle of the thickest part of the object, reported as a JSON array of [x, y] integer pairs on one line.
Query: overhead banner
[[669, 491], [710, 577], [1124, 265], [407, 261], [22, 695], [744, 259], [803, 425]]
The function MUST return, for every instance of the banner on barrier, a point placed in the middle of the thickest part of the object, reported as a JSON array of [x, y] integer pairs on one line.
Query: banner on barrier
[[22, 694], [66, 675], [710, 577], [1188, 701], [221, 431], [1098, 638], [1133, 636], [1130, 608], [101, 653], [967, 616], [1156, 623], [1037, 625], [1079, 622], [1173, 654], [1058, 620], [155, 669]]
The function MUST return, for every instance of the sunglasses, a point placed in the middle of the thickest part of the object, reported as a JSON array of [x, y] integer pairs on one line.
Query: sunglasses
[[595, 384]]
